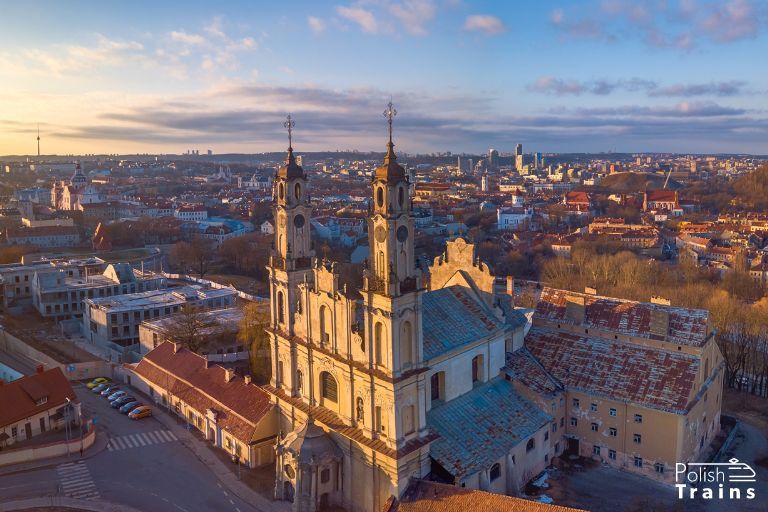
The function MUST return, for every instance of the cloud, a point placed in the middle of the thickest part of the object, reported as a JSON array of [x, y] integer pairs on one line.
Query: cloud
[[67, 59], [561, 87], [184, 37], [316, 24], [414, 14], [365, 19], [682, 109], [484, 23], [682, 25]]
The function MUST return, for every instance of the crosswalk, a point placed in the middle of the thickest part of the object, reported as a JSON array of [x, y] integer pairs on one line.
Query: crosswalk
[[76, 481], [140, 439]]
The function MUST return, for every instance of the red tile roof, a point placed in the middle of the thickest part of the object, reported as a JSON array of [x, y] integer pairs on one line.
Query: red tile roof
[[239, 406], [616, 370], [667, 196], [686, 326], [424, 496], [18, 399]]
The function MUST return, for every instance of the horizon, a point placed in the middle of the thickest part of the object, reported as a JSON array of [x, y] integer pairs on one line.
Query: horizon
[[588, 77]]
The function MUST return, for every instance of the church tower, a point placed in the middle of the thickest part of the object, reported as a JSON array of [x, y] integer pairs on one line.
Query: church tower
[[290, 262]]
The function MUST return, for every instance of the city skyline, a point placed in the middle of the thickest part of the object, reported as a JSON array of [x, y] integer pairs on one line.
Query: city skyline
[[670, 77]]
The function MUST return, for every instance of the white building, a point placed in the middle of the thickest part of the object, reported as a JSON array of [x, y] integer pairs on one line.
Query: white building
[[511, 218], [191, 212]]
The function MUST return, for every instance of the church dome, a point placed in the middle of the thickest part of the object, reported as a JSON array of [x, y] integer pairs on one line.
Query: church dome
[[391, 171], [290, 169], [312, 445]]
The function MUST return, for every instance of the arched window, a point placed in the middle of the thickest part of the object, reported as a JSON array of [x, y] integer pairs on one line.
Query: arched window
[[380, 197], [437, 386], [281, 191], [381, 265], [495, 472], [280, 308], [297, 191], [325, 324], [706, 368], [400, 196], [378, 341], [360, 411], [530, 445], [299, 383], [406, 344], [329, 390]]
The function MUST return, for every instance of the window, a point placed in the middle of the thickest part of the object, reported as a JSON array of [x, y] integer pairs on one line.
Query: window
[[325, 325], [14, 432], [562, 421], [299, 382], [612, 454], [595, 450], [659, 467], [576, 403], [328, 387], [530, 445], [546, 436], [280, 307], [638, 462], [360, 411], [574, 422], [436, 386], [612, 432], [612, 411], [378, 335], [406, 345], [325, 476], [637, 438], [554, 427], [379, 424], [408, 419], [477, 369], [594, 427], [638, 418], [593, 407], [495, 472]]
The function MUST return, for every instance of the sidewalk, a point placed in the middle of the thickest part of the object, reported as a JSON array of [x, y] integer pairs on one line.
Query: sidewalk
[[99, 444], [225, 475]]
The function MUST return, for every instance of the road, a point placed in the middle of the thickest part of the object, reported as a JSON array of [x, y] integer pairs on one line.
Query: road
[[143, 466]]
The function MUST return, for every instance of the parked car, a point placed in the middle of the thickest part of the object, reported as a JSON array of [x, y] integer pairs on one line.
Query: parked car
[[95, 382], [109, 390], [121, 400], [140, 412], [100, 387], [130, 406], [116, 394]]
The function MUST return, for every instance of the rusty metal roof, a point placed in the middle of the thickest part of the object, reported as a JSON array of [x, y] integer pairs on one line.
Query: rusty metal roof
[[686, 326], [616, 370]]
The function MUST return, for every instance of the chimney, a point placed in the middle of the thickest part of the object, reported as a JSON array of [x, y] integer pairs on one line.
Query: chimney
[[229, 374], [659, 322], [247, 379], [39, 369], [575, 309], [176, 347]]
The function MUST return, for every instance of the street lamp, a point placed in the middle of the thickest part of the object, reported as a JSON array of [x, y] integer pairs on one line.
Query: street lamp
[[66, 422]]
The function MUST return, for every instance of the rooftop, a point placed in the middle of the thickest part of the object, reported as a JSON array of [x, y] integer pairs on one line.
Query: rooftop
[[475, 427], [33, 394], [616, 370], [154, 298]]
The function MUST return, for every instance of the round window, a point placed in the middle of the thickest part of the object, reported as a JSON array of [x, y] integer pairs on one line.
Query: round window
[[298, 221], [402, 234], [380, 197]]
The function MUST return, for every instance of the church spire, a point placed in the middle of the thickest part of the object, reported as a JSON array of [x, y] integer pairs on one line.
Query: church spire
[[390, 113]]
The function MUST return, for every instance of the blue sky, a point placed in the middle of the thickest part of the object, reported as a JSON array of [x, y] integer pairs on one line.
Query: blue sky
[[661, 75]]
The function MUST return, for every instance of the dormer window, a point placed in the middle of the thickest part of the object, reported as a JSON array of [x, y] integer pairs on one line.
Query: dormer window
[[42, 401]]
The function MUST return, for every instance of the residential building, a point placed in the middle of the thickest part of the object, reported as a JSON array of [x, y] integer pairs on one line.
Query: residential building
[[44, 236], [60, 296], [113, 322], [191, 212], [35, 404], [513, 217], [232, 413]]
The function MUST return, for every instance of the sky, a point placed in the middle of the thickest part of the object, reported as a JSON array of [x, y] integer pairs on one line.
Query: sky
[[687, 76]]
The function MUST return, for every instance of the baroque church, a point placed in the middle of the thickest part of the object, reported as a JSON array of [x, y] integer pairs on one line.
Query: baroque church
[[428, 373]]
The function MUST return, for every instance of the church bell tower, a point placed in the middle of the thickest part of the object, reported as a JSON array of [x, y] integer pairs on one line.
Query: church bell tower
[[291, 259]]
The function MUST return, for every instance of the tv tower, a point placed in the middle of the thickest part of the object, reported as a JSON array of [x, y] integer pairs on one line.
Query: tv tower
[[38, 140]]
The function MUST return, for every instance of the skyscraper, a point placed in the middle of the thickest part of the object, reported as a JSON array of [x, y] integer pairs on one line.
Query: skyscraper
[[519, 157], [493, 158]]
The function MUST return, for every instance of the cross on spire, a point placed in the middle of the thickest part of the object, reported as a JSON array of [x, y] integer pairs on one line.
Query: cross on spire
[[390, 113], [289, 124]]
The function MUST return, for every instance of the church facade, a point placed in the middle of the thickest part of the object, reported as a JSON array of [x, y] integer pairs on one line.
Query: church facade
[[429, 373]]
